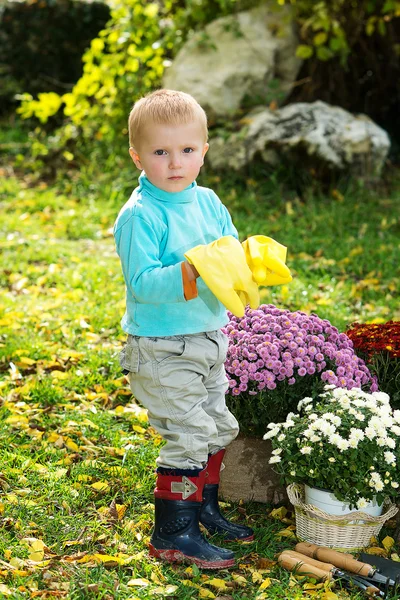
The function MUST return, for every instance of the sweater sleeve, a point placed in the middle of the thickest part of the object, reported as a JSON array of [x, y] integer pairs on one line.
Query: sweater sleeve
[[138, 247]]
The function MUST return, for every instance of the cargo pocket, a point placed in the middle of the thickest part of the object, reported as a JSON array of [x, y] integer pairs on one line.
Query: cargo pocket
[[129, 357]]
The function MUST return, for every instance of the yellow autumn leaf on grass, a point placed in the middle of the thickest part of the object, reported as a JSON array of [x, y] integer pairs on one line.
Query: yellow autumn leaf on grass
[[204, 593], [168, 590], [388, 543], [288, 532], [71, 445], [5, 590], [376, 551], [138, 582], [265, 584], [219, 584], [100, 486], [138, 429], [394, 556], [329, 596], [36, 548], [278, 513], [101, 558]]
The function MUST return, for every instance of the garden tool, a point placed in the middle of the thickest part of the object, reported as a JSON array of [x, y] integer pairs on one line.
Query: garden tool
[[176, 536], [349, 563], [223, 268], [305, 565], [266, 259], [210, 515]]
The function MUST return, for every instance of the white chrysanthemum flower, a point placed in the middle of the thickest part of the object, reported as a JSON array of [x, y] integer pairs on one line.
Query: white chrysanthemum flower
[[362, 503], [315, 438], [356, 434], [272, 425], [337, 392], [396, 416], [370, 433], [293, 473], [271, 434], [308, 408], [395, 429], [359, 402], [343, 445], [331, 459], [381, 441], [390, 443], [345, 402], [360, 416], [274, 459], [308, 433], [288, 424], [281, 437], [376, 477], [306, 450], [379, 485], [353, 443], [334, 439], [277, 451], [337, 421], [394, 484], [382, 397], [312, 417]]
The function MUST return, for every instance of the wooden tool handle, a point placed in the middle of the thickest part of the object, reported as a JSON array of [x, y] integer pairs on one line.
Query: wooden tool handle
[[343, 561], [294, 564], [310, 561]]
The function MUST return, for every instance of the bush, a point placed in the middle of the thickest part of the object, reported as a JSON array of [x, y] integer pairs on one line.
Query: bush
[[277, 357], [379, 346], [41, 44]]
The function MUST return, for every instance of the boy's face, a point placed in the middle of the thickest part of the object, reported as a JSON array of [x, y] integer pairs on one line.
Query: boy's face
[[171, 155]]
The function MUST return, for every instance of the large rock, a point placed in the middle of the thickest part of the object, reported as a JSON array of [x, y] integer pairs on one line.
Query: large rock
[[326, 135], [235, 57]]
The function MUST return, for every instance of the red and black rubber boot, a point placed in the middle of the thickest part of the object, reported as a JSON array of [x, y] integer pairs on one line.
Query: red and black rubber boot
[[177, 536], [210, 515]]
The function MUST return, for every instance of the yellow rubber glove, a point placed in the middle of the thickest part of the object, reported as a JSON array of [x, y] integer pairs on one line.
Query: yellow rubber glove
[[223, 268], [266, 259]]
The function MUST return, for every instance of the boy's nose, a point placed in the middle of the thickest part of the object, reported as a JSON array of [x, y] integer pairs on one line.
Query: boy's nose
[[175, 161]]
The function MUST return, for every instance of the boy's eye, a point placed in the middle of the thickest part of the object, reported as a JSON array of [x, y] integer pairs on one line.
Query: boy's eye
[[188, 150], [160, 152]]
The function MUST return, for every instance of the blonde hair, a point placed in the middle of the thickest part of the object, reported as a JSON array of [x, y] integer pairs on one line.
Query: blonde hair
[[164, 107]]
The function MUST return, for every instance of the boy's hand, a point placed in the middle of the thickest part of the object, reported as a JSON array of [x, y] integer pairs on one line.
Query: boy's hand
[[223, 267], [191, 271], [266, 259]]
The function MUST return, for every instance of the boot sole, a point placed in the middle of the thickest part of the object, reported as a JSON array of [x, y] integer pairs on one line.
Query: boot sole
[[175, 556]]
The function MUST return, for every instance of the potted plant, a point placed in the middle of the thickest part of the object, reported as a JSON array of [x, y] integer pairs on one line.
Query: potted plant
[[378, 344], [275, 358], [343, 442]]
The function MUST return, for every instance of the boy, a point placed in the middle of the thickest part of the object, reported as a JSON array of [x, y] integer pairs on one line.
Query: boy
[[176, 351]]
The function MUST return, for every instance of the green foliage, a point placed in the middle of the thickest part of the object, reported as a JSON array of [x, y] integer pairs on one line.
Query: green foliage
[[330, 28], [41, 44]]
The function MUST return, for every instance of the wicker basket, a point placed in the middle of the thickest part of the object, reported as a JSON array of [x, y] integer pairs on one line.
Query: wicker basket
[[351, 532]]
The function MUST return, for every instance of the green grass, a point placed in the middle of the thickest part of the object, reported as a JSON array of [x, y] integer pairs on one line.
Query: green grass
[[68, 420]]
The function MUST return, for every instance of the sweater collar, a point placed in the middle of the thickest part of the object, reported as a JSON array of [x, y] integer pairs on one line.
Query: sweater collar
[[185, 196]]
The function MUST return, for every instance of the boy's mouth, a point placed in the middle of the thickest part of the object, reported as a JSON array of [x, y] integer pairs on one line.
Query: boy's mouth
[[175, 177]]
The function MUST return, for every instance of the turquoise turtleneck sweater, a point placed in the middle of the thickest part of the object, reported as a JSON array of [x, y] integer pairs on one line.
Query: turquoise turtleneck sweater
[[152, 232]]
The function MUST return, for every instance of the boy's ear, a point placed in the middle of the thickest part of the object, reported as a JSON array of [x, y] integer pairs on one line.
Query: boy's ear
[[135, 157], [206, 147]]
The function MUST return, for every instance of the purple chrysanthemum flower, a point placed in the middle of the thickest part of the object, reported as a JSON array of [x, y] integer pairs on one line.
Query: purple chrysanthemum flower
[[273, 348]]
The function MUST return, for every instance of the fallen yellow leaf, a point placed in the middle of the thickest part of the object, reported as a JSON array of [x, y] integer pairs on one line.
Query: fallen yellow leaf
[[100, 486], [138, 582], [265, 584], [388, 543]]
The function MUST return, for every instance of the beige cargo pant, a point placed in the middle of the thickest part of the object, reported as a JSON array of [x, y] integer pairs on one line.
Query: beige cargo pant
[[181, 381]]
